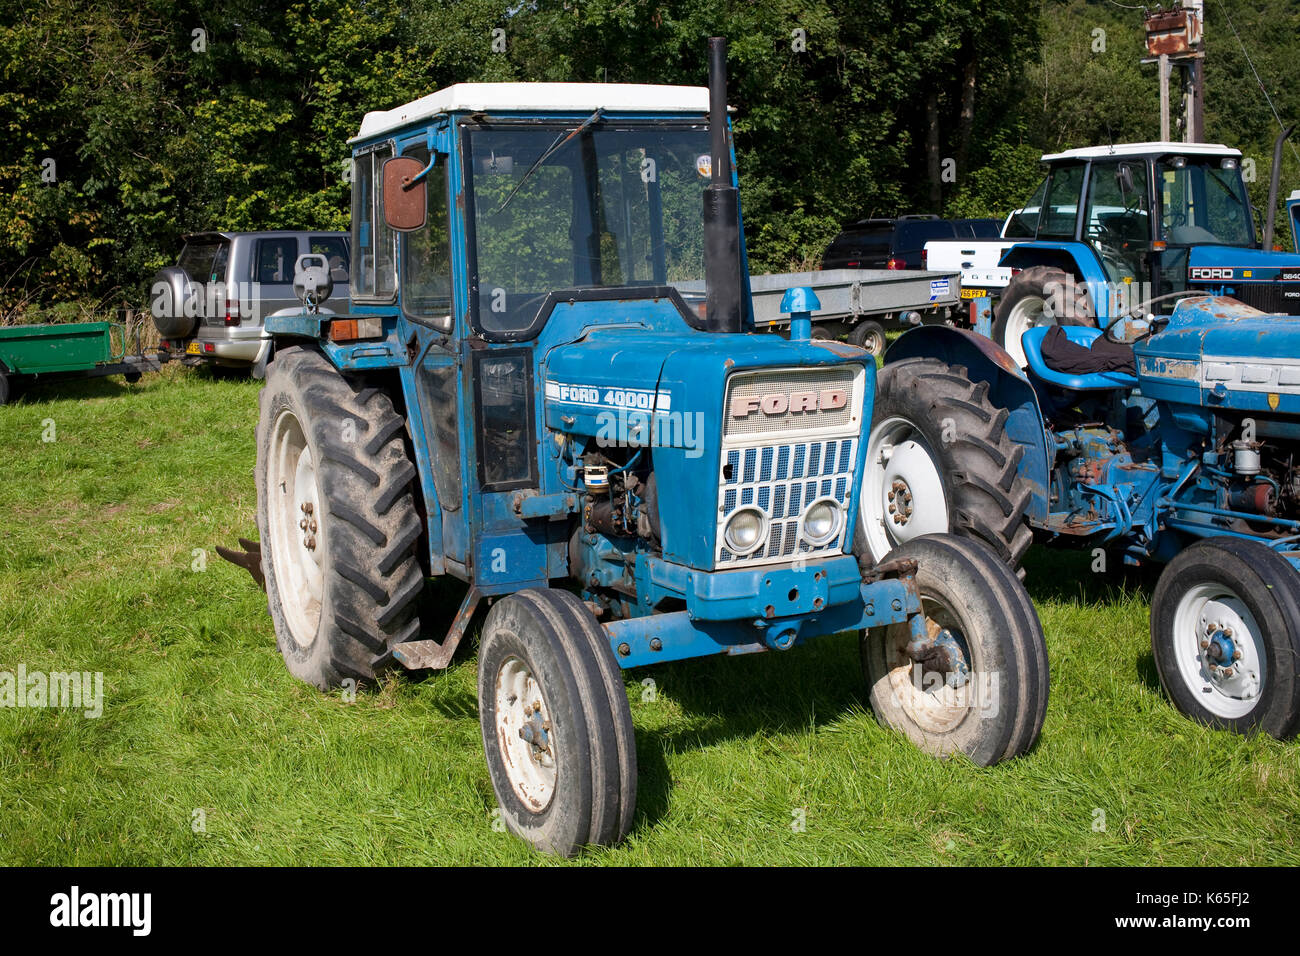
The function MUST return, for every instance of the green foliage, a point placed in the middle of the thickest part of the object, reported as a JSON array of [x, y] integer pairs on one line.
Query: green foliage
[[155, 130]]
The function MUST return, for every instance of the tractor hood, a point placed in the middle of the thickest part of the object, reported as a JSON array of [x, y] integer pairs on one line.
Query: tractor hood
[[613, 372], [1219, 353], [1257, 263], [665, 392]]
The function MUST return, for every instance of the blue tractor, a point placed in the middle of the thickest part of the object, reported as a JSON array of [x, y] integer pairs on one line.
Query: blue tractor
[[1114, 228], [522, 397], [1189, 457]]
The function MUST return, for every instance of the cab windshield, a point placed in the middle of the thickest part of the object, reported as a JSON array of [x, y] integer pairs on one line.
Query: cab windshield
[[613, 205], [1202, 202]]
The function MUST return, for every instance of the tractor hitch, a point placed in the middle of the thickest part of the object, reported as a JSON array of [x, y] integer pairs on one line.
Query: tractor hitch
[[250, 559]]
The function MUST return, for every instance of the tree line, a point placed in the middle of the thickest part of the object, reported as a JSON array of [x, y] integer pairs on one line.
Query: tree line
[[128, 124]]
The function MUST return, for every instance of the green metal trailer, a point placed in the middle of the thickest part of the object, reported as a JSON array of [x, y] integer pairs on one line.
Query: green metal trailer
[[51, 353]]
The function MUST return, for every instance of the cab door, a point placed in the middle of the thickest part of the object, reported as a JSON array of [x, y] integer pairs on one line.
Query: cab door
[[428, 299]]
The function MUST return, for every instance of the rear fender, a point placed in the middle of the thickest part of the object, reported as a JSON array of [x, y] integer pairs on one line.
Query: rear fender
[[986, 361], [1076, 258]]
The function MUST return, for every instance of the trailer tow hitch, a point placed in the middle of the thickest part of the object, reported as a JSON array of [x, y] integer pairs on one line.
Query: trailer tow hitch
[[250, 559]]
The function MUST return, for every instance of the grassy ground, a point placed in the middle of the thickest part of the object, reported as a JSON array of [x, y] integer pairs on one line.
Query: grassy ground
[[103, 535]]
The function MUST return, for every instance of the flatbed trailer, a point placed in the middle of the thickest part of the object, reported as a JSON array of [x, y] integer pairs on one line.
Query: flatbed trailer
[[859, 303], [56, 353]]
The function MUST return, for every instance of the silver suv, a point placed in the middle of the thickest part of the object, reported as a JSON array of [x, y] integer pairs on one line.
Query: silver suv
[[210, 306]]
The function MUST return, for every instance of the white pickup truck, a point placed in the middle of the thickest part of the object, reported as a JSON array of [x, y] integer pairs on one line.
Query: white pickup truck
[[976, 259]]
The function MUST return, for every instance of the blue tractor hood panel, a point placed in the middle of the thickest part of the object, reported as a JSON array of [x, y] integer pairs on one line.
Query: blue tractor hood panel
[[632, 387], [1218, 353], [1250, 264]]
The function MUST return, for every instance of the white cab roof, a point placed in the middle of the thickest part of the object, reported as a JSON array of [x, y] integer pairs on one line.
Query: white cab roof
[[1144, 149], [539, 98]]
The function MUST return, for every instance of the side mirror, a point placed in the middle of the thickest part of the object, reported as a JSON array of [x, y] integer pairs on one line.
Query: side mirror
[[405, 201], [1124, 177]]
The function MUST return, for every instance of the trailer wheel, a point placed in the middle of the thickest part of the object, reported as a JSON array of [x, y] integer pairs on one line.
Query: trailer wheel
[[980, 686], [1041, 295], [1225, 635], [868, 335], [337, 519], [556, 726], [939, 459]]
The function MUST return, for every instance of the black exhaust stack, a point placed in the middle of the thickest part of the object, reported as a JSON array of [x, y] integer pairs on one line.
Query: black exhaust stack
[[1272, 188], [722, 274]]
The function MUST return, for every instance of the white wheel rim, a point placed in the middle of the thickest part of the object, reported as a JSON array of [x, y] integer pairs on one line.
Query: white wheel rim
[[874, 343], [927, 700], [900, 461], [297, 536], [1029, 312], [1200, 611], [520, 707]]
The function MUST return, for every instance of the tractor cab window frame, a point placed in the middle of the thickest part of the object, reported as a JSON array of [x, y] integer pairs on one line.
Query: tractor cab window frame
[[426, 274], [588, 234], [374, 244], [1117, 219], [1064, 190]]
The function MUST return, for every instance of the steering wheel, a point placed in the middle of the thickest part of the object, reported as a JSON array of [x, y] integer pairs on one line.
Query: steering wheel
[[1128, 330]]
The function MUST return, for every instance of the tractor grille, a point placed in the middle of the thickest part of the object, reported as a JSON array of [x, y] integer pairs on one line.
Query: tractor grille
[[788, 462], [1275, 298]]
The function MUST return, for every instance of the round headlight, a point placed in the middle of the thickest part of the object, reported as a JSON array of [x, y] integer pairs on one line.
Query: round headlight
[[744, 530], [821, 522]]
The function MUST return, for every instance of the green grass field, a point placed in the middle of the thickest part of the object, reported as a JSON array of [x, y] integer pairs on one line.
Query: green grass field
[[103, 535]]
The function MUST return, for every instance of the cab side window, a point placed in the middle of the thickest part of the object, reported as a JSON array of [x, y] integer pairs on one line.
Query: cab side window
[[374, 245], [426, 253]]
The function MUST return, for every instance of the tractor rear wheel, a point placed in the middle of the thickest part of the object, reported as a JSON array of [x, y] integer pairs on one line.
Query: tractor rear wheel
[[556, 726], [1041, 295], [338, 521], [1225, 635], [980, 687], [938, 460]]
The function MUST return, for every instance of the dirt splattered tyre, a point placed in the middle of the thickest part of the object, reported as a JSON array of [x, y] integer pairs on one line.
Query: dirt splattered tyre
[[976, 607], [1225, 635], [939, 460], [1028, 301], [337, 519], [555, 722]]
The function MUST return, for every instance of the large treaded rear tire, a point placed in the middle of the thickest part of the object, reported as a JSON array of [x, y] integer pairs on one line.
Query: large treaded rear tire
[[1022, 303], [358, 475], [953, 421]]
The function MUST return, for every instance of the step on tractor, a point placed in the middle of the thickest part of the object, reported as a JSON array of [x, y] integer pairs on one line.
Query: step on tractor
[[1114, 230], [519, 397], [1190, 459]]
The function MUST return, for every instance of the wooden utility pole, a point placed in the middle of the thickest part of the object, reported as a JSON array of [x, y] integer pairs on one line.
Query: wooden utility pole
[[1175, 41]]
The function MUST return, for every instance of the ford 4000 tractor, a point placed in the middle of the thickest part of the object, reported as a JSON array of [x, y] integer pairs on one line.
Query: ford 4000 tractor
[[1177, 441], [521, 397]]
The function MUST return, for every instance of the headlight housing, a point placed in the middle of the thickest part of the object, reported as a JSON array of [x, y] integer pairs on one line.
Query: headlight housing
[[745, 530], [820, 523]]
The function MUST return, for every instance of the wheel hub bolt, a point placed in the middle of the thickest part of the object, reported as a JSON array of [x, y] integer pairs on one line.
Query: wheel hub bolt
[[1236, 655], [1227, 672]]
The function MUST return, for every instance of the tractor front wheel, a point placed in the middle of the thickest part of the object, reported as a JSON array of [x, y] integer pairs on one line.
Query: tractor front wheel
[[1225, 635], [978, 683], [337, 519], [556, 726]]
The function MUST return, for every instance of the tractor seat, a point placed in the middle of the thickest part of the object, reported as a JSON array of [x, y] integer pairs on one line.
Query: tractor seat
[[1032, 343]]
